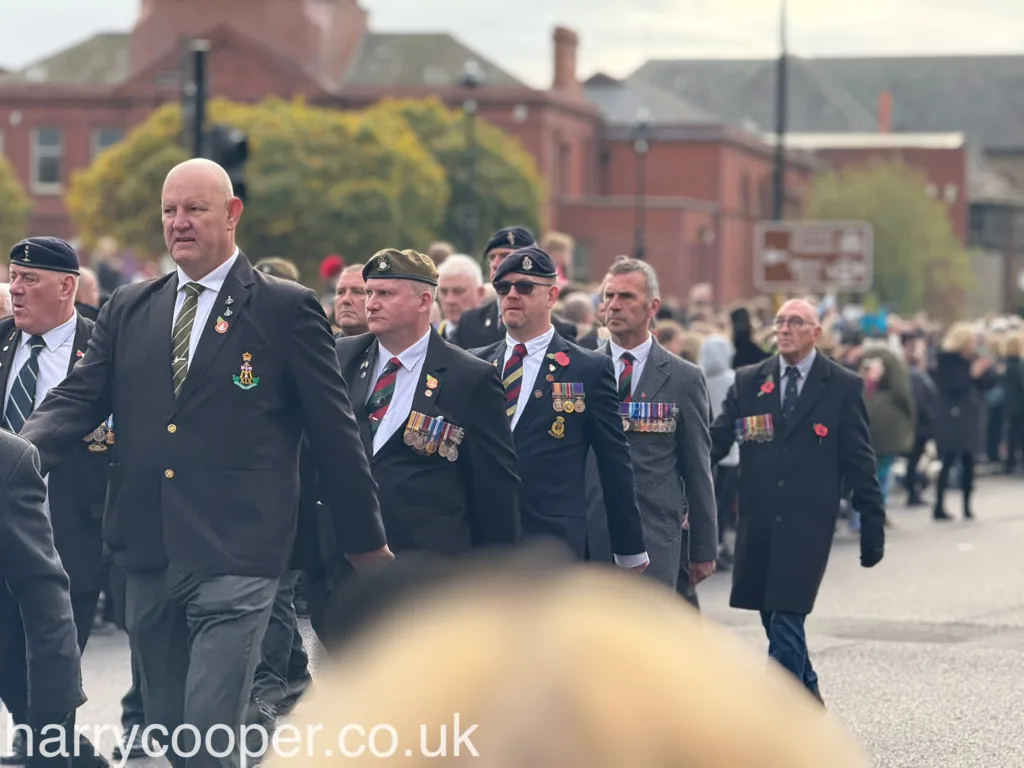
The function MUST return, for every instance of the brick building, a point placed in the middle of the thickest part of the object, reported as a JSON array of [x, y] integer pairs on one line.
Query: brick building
[[706, 181]]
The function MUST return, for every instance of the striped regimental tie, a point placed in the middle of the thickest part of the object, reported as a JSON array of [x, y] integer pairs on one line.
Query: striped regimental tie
[[626, 378], [380, 399], [182, 335], [513, 379], [23, 394]]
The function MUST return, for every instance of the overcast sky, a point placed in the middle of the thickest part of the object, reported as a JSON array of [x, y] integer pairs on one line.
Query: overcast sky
[[616, 36]]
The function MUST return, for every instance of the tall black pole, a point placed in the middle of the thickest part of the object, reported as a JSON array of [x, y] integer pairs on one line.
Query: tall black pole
[[779, 196], [641, 183], [200, 50], [472, 204]]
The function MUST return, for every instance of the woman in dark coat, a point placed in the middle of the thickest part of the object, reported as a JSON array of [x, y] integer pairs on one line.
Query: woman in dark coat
[[961, 376]]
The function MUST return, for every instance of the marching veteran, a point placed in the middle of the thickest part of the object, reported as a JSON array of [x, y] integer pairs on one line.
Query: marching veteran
[[561, 403], [431, 417]]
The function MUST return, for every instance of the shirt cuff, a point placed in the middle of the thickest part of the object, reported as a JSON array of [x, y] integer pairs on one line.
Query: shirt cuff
[[631, 561]]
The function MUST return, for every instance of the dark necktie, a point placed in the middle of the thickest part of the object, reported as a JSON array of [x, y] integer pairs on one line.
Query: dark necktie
[[181, 337], [513, 379], [383, 391], [23, 394], [790, 396], [626, 378]]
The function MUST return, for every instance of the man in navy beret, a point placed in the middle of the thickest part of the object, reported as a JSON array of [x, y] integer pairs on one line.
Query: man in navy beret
[[43, 340], [483, 325], [561, 402]]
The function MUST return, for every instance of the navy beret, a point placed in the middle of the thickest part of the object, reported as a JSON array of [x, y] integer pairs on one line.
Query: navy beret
[[530, 261], [510, 237], [45, 253]]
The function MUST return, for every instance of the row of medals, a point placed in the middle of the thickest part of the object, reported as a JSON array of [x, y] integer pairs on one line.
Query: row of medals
[[100, 436], [569, 405], [449, 449], [648, 425]]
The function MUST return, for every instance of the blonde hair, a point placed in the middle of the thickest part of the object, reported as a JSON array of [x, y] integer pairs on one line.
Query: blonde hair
[[557, 241], [959, 337], [1013, 345], [539, 663]]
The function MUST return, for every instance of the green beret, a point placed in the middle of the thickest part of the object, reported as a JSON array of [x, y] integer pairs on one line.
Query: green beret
[[275, 266], [391, 264]]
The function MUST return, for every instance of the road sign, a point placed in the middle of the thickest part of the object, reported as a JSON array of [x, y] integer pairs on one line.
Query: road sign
[[813, 256]]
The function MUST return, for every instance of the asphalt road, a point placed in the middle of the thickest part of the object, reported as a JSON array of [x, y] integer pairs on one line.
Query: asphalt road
[[921, 658]]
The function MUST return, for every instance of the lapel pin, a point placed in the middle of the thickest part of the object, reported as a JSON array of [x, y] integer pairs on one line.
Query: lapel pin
[[362, 375], [222, 325], [80, 353], [549, 377], [538, 394], [487, 323], [229, 301], [431, 382], [428, 393], [6, 348], [643, 395], [227, 313]]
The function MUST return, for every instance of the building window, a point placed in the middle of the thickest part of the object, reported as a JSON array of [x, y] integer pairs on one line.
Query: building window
[[48, 156], [104, 138]]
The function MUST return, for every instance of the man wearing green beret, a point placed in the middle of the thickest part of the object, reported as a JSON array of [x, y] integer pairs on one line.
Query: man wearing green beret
[[432, 418]]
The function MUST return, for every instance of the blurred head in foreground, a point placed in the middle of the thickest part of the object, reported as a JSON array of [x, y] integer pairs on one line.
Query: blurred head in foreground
[[558, 665]]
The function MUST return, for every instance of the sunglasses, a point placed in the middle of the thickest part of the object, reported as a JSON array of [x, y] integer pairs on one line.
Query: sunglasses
[[523, 287]]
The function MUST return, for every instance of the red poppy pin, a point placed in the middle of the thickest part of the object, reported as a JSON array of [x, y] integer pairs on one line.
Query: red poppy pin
[[767, 387], [821, 431], [80, 353], [561, 358]]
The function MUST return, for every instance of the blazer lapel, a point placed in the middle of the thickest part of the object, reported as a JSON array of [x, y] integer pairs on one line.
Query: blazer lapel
[[548, 367], [654, 376], [81, 342], [233, 296], [161, 320], [810, 393], [11, 342], [360, 390]]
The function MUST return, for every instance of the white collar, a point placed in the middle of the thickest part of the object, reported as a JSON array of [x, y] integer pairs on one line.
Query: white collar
[[639, 353], [55, 337], [804, 366], [411, 356], [534, 345], [213, 281]]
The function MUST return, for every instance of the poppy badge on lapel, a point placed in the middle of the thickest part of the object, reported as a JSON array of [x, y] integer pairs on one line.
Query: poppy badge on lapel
[[767, 387], [821, 431]]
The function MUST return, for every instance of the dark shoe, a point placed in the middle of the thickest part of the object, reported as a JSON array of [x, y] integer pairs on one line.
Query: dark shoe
[[915, 501], [940, 514], [968, 514], [19, 751], [131, 748], [293, 692], [265, 715]]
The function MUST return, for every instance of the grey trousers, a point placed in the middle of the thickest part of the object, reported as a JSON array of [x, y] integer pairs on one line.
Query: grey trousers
[[279, 645], [197, 640]]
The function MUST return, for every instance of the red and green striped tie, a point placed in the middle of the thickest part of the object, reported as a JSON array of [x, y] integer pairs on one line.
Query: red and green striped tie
[[382, 393], [626, 378]]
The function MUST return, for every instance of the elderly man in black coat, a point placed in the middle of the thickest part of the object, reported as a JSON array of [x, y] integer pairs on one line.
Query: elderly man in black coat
[[802, 426]]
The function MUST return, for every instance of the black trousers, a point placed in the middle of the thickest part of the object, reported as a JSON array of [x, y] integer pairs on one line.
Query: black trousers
[[910, 480], [14, 665]]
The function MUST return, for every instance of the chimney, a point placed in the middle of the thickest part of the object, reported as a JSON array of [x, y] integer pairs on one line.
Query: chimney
[[565, 59], [885, 112]]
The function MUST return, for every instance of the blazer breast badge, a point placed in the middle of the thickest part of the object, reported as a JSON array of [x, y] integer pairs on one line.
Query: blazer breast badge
[[245, 379]]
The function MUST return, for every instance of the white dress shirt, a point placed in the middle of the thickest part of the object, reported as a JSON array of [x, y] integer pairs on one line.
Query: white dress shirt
[[804, 367], [536, 348], [640, 355], [213, 282], [54, 360], [405, 388]]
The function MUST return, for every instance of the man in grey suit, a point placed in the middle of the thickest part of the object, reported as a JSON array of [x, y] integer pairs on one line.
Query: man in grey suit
[[665, 412], [38, 586]]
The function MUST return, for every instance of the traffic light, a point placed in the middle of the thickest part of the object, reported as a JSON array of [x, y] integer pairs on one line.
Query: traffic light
[[229, 148]]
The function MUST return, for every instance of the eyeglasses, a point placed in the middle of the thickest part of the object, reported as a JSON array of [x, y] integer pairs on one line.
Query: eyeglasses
[[796, 323], [523, 287]]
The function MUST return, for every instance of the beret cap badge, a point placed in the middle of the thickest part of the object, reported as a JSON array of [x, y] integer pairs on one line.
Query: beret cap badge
[[527, 264], [511, 238], [382, 265]]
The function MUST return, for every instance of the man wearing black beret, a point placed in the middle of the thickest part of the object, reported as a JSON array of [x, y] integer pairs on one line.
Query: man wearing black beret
[[41, 343], [561, 402], [483, 325]]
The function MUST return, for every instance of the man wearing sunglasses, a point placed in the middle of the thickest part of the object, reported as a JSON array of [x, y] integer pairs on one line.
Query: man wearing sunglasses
[[561, 403], [484, 325]]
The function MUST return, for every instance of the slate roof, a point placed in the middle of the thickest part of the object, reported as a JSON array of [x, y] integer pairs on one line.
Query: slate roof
[[982, 96], [103, 58], [418, 59], [619, 102], [381, 59]]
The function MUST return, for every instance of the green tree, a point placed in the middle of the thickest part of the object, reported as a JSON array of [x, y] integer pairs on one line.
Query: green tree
[[319, 180], [509, 188], [15, 206], [919, 263]]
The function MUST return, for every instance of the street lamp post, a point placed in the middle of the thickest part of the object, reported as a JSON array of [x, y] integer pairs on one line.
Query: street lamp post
[[471, 78], [641, 146]]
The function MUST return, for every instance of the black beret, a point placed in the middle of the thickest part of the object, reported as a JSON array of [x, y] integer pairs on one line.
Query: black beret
[[531, 261], [510, 237], [392, 264], [45, 253]]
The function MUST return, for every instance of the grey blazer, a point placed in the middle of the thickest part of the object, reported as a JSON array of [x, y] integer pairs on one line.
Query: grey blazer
[[37, 583], [672, 470]]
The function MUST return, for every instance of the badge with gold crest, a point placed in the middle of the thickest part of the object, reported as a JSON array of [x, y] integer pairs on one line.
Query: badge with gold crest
[[100, 439]]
